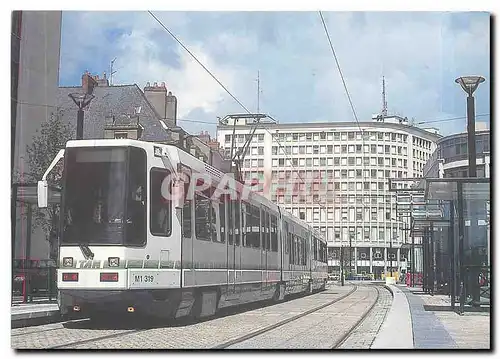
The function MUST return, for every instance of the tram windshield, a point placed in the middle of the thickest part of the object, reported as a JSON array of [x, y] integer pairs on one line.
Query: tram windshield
[[104, 196]]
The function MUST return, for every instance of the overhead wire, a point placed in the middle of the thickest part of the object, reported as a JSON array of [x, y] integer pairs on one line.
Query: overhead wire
[[198, 61], [234, 97], [340, 70]]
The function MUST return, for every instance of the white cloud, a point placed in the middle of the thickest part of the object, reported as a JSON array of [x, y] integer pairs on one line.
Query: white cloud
[[419, 53]]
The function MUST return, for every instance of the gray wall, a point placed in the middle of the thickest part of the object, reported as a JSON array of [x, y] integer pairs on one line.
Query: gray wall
[[38, 85]]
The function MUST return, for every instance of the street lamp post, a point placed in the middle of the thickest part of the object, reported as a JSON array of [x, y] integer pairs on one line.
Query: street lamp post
[[390, 258], [82, 101], [350, 255], [469, 85], [341, 264]]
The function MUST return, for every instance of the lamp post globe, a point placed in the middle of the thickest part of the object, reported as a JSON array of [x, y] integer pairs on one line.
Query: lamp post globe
[[469, 83]]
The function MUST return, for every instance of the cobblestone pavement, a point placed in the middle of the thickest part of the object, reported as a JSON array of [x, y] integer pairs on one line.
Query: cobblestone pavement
[[318, 330], [363, 336], [206, 334]]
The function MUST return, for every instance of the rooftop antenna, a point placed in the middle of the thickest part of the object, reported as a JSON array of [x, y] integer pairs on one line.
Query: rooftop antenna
[[384, 102], [111, 72], [258, 91]]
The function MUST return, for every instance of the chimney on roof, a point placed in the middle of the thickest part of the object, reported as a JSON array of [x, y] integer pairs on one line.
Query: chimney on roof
[[171, 110], [103, 82], [157, 97], [88, 83]]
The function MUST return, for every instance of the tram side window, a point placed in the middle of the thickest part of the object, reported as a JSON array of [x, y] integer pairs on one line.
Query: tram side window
[[286, 238], [291, 241], [237, 229], [161, 208], [216, 224], [274, 234], [304, 251], [315, 248], [253, 227], [300, 251], [230, 221], [264, 220], [296, 255], [186, 210], [203, 218], [136, 201], [222, 218]]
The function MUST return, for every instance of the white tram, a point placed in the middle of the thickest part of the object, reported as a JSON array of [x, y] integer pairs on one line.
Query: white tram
[[124, 246]]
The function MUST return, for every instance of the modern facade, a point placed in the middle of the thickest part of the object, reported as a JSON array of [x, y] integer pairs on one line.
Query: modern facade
[[335, 176], [450, 159]]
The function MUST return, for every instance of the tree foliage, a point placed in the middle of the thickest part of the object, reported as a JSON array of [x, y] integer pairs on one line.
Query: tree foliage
[[45, 145]]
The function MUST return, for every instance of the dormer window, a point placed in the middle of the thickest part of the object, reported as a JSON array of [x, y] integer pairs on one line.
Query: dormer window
[[121, 135]]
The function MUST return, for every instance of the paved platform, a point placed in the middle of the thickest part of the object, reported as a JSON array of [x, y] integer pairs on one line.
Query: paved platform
[[436, 326], [26, 314]]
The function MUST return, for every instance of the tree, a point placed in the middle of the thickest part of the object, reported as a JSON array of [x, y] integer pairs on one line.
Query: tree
[[46, 143]]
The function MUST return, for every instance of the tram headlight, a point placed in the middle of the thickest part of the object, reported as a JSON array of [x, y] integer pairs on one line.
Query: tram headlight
[[113, 261], [67, 262]]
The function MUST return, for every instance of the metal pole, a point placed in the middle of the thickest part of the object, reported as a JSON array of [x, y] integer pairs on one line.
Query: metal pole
[[451, 251], [13, 218], [390, 259], [461, 235], [341, 264], [413, 260], [350, 255], [79, 124], [471, 135], [433, 258], [473, 230], [29, 290]]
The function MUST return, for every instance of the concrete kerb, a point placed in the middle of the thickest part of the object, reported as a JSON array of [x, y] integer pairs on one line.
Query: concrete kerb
[[396, 331], [26, 318]]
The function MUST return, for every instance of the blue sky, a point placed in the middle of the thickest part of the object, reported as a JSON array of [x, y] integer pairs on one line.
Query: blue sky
[[419, 53]]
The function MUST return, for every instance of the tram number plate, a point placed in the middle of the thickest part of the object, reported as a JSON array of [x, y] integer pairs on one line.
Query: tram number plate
[[144, 278]]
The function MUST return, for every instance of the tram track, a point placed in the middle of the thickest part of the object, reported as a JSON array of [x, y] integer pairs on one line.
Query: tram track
[[358, 323], [71, 345], [283, 322], [128, 336], [309, 330]]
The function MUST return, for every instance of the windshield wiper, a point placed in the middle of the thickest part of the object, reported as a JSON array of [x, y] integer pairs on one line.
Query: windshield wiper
[[87, 253]]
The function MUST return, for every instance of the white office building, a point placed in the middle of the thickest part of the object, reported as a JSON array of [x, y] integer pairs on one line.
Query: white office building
[[349, 167]]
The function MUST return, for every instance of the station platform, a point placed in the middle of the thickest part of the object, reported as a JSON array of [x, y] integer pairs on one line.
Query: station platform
[[37, 312], [418, 320]]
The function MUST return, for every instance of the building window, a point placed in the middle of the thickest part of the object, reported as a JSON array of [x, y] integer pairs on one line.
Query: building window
[[121, 135]]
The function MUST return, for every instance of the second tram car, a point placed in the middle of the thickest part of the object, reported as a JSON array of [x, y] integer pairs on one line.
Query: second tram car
[[125, 246]]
